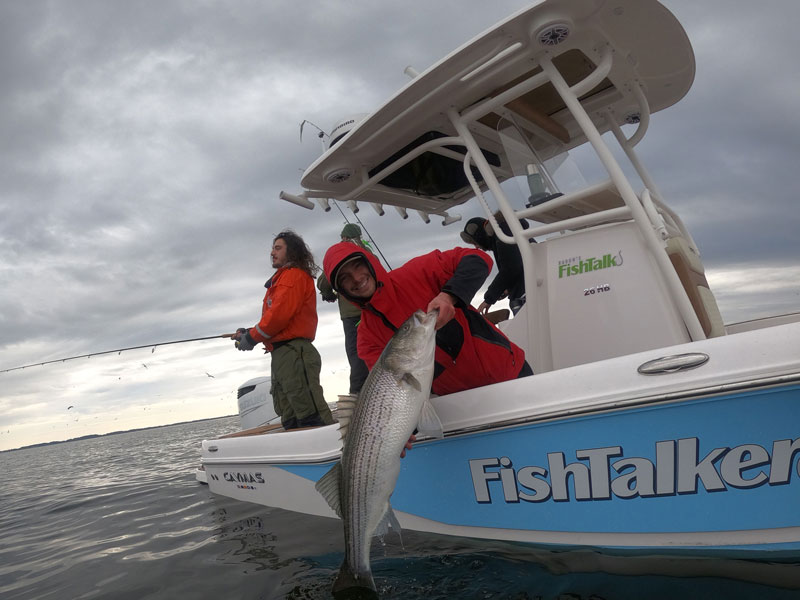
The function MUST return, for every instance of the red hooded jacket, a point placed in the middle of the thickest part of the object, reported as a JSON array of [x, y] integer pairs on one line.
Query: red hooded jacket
[[470, 351]]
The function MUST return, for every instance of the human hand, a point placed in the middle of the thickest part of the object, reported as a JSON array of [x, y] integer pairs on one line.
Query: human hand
[[412, 439], [446, 305], [484, 308], [245, 342], [239, 333]]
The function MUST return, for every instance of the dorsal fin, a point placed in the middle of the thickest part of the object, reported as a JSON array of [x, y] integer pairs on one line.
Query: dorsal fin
[[344, 411]]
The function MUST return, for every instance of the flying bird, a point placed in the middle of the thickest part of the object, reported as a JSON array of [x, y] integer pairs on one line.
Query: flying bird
[[70, 406], [144, 365], [210, 375]]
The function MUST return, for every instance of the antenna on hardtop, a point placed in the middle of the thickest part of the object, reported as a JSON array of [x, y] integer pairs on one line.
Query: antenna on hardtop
[[321, 135]]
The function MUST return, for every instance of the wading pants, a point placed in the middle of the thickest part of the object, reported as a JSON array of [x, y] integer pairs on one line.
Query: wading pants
[[296, 392]]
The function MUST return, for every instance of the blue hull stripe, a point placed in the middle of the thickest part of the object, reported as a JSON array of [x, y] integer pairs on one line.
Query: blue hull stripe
[[528, 477]]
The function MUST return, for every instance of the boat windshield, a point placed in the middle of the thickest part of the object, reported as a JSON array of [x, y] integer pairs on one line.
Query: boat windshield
[[539, 172]]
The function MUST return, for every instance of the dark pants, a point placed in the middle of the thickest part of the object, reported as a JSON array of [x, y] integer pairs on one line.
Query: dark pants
[[358, 368], [296, 392], [526, 371], [515, 304]]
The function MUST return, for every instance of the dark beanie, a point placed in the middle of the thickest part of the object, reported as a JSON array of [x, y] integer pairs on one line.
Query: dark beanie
[[475, 232], [351, 231]]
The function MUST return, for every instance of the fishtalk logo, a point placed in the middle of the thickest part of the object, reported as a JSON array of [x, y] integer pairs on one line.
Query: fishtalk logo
[[589, 265], [600, 473]]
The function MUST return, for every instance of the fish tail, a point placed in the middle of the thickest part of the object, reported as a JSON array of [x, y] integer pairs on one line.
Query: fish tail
[[348, 582]]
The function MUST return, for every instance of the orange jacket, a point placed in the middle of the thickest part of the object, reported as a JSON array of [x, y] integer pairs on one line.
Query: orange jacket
[[289, 310]]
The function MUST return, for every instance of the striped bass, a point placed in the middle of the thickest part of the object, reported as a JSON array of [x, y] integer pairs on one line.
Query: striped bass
[[375, 428]]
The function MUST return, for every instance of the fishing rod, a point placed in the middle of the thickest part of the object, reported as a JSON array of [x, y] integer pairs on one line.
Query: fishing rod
[[119, 351]]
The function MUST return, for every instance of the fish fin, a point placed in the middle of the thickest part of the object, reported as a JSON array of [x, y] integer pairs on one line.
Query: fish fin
[[395, 525], [347, 582], [389, 520], [328, 487], [344, 411], [429, 423], [410, 381]]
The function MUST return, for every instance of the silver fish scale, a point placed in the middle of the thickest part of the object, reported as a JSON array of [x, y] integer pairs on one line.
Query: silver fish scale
[[382, 422]]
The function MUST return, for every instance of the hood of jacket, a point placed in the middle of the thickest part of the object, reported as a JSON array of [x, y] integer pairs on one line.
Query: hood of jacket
[[340, 253]]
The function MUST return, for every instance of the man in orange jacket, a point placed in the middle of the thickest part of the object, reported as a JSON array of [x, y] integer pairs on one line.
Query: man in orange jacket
[[287, 327]]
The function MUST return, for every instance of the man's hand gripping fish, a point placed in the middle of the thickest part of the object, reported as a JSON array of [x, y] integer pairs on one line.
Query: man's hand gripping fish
[[375, 428]]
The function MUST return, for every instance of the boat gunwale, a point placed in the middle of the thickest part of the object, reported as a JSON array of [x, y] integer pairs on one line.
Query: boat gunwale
[[614, 406]]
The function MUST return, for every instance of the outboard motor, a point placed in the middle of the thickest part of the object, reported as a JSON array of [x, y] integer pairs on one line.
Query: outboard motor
[[255, 403]]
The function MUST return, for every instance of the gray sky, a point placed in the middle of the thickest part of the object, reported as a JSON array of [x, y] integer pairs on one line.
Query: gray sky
[[143, 146]]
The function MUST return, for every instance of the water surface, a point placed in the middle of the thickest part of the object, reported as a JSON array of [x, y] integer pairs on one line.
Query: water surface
[[122, 517]]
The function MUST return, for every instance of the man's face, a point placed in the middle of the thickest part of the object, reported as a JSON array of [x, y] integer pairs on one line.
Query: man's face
[[356, 280], [278, 253]]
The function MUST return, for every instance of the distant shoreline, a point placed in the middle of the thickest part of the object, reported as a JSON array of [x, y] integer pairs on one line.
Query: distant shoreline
[[97, 435]]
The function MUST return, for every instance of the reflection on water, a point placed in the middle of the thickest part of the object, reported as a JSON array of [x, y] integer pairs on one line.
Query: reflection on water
[[122, 517], [255, 545]]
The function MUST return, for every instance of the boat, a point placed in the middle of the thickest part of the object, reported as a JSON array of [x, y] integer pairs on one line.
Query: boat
[[256, 413], [650, 426]]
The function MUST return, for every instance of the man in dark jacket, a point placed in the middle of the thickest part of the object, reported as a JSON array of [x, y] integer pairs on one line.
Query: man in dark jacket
[[350, 314], [510, 278], [470, 351]]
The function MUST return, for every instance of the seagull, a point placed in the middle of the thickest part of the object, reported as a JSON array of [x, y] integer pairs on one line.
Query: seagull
[[70, 406], [144, 365], [210, 375]]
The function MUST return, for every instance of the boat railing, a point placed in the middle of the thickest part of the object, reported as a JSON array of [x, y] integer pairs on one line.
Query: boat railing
[[618, 213], [655, 222]]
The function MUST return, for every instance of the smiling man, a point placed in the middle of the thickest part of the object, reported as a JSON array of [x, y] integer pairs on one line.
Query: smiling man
[[470, 351], [287, 327], [350, 314]]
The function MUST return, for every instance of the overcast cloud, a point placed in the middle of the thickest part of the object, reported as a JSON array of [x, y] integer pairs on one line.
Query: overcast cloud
[[143, 147]]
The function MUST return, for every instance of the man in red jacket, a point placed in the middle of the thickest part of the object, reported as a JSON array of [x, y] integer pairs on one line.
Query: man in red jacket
[[470, 351], [287, 327]]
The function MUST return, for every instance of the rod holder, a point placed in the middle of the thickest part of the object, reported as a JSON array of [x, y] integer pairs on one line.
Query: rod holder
[[450, 219], [300, 200]]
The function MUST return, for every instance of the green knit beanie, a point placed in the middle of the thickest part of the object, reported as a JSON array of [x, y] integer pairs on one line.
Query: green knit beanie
[[351, 231]]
